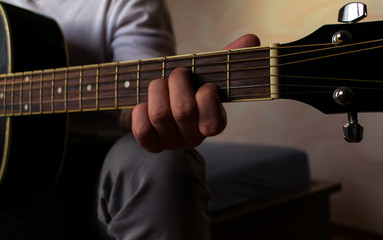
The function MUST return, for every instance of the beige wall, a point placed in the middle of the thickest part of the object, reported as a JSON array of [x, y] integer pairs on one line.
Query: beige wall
[[206, 25]]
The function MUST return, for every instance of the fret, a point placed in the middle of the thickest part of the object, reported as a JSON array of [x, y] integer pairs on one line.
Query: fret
[[163, 68], [80, 90], [251, 72], [89, 87], [59, 90], [127, 85], [16, 97], [2, 95], [25, 93], [228, 75], [53, 91], [116, 86], [73, 89], [7, 96], [138, 81], [47, 94], [211, 68], [12, 95], [35, 92], [30, 93], [149, 69], [66, 90], [21, 95], [107, 86], [41, 92], [97, 87], [187, 61]]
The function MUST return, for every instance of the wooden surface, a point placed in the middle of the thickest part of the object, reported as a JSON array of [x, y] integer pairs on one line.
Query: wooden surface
[[300, 215]]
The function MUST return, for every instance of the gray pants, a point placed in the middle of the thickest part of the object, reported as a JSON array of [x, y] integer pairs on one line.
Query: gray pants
[[153, 196], [150, 196]]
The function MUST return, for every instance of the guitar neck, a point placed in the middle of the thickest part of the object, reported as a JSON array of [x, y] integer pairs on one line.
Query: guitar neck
[[241, 75]]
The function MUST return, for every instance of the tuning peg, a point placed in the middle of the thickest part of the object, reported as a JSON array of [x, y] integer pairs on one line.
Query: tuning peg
[[353, 131], [352, 12]]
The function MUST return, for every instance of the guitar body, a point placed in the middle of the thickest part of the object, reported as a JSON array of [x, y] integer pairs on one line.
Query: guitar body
[[32, 147]]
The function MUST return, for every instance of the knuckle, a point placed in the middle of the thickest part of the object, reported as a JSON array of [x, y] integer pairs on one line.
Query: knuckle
[[183, 113], [141, 132], [160, 115]]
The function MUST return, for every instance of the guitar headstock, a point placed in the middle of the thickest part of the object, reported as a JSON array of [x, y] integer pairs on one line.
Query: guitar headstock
[[337, 69]]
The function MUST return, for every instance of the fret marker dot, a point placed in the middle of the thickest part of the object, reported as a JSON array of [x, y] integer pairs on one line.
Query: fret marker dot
[[127, 84], [1, 95], [27, 78], [59, 90], [89, 87], [26, 107]]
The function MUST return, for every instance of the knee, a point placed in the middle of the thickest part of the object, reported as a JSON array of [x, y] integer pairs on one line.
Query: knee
[[129, 163]]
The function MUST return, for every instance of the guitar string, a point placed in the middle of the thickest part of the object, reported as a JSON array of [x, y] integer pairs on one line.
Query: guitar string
[[208, 64], [318, 77], [19, 91], [223, 53], [47, 98]]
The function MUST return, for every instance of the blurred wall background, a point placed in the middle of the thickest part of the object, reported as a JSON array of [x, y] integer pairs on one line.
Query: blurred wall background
[[202, 25]]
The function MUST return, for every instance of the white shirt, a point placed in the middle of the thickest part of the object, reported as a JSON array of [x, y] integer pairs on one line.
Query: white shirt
[[99, 31]]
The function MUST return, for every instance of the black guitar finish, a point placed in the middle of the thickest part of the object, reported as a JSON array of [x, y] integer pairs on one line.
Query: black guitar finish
[[33, 145]]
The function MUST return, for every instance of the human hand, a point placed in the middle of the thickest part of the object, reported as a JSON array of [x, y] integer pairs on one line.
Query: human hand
[[175, 116]]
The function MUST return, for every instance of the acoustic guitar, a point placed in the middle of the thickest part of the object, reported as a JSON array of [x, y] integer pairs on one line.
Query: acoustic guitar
[[336, 69]]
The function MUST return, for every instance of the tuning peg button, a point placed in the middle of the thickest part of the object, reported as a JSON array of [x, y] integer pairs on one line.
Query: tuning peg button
[[352, 12], [353, 131]]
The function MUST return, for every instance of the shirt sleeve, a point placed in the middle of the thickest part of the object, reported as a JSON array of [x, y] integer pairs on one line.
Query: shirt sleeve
[[138, 29]]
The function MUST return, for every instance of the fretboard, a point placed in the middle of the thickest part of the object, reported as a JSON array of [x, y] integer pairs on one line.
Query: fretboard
[[241, 75]]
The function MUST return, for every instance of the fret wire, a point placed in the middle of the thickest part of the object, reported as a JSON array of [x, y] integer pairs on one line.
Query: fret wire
[[12, 103], [66, 89], [228, 75], [21, 93], [115, 86], [193, 67], [80, 90], [193, 64], [53, 92], [163, 67], [30, 92], [138, 81], [5, 96], [41, 92], [97, 86]]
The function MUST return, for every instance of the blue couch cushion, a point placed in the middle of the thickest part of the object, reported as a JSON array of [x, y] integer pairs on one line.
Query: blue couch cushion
[[241, 173]]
